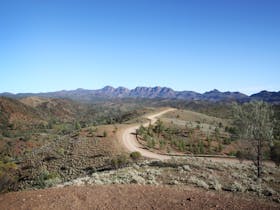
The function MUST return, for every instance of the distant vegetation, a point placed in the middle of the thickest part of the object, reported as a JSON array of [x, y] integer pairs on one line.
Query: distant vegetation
[[193, 137], [39, 137], [44, 141]]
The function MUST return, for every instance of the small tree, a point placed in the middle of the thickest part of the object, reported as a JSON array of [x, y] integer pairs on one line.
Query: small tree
[[77, 126], [159, 127], [140, 131], [135, 155], [254, 123]]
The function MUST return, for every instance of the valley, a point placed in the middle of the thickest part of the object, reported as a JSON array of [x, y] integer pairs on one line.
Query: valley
[[59, 143]]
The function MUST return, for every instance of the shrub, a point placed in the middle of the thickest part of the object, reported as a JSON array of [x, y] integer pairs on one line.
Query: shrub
[[198, 182], [77, 126], [233, 153], [61, 151], [151, 143], [52, 182], [201, 147], [6, 133], [7, 175], [216, 185], [135, 155], [141, 130], [237, 187], [64, 129], [119, 161], [162, 143], [242, 155], [220, 147], [47, 179], [227, 141], [6, 181]]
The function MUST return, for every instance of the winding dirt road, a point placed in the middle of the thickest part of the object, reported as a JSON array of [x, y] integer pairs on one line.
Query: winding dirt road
[[130, 142]]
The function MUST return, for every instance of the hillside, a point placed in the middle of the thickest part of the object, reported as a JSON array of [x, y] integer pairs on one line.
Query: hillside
[[62, 109], [15, 114], [63, 154]]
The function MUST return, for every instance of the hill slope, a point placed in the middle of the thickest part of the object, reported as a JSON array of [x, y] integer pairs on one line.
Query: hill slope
[[15, 114]]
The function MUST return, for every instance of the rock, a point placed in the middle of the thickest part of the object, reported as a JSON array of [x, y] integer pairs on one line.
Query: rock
[[237, 187], [268, 192], [174, 182], [181, 170], [186, 168], [137, 180], [99, 182], [135, 166], [152, 182]]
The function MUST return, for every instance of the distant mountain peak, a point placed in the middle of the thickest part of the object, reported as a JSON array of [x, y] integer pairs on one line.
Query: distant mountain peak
[[152, 92], [212, 91], [108, 87]]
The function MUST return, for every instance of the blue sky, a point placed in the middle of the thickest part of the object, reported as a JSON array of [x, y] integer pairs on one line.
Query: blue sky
[[48, 45]]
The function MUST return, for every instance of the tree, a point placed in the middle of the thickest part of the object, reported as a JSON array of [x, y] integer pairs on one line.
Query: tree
[[159, 127], [254, 124], [140, 131], [77, 126]]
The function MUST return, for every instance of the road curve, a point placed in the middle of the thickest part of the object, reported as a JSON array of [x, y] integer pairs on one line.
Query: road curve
[[130, 142]]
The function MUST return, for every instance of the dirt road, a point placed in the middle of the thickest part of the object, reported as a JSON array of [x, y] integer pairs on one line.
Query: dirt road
[[131, 144]]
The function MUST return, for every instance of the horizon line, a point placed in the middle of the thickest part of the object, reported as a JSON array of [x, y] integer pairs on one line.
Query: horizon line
[[157, 86]]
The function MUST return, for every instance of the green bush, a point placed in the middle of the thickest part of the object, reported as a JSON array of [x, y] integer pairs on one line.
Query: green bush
[[135, 155], [151, 143], [6, 181], [77, 126], [6, 133], [162, 143], [233, 153], [119, 161], [47, 179], [7, 175]]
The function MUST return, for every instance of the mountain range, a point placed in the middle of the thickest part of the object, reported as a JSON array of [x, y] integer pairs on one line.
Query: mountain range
[[151, 93]]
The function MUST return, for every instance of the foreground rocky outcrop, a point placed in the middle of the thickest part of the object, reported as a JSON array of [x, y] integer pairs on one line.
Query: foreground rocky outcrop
[[198, 172]]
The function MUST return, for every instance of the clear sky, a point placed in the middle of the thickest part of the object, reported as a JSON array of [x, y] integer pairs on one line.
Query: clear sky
[[48, 45]]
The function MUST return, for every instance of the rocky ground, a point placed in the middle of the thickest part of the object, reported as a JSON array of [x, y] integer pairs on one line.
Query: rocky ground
[[130, 197], [197, 172], [68, 157]]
